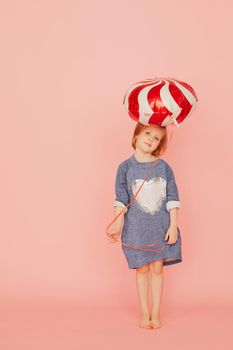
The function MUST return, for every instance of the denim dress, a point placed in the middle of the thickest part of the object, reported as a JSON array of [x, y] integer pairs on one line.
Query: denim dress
[[147, 219]]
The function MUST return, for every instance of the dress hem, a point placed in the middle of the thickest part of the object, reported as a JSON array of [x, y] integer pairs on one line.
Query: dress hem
[[165, 263]]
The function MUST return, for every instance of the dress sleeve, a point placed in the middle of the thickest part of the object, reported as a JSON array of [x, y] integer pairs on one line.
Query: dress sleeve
[[172, 199], [121, 192]]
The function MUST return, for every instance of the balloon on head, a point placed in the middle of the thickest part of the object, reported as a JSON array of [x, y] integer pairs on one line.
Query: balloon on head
[[160, 101]]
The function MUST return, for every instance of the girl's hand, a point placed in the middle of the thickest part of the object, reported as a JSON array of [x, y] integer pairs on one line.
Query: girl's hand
[[113, 236], [172, 234]]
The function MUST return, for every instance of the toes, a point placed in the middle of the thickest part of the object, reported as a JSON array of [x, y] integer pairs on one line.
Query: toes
[[145, 324], [155, 324]]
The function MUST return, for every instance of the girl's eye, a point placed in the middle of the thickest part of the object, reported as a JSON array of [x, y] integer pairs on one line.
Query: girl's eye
[[147, 132]]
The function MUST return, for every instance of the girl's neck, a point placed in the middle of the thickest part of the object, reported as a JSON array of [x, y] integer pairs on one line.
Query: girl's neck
[[144, 157]]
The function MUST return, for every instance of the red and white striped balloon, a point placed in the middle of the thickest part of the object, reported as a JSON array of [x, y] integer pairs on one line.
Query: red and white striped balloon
[[160, 101]]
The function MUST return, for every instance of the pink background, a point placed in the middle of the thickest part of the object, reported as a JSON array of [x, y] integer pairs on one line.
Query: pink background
[[65, 66]]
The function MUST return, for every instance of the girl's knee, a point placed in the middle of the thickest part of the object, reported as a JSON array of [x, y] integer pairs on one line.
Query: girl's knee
[[156, 266], [143, 269]]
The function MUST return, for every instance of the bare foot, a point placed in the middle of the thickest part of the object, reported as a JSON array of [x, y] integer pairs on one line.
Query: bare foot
[[145, 321], [155, 321]]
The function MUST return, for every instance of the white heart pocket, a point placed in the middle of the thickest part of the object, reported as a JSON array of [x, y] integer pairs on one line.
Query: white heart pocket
[[151, 194]]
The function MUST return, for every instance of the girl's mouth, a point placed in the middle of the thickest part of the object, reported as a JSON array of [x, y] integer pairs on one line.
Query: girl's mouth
[[147, 144]]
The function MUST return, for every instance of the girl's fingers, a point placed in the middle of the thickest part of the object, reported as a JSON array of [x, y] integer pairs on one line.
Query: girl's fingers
[[172, 241], [112, 239]]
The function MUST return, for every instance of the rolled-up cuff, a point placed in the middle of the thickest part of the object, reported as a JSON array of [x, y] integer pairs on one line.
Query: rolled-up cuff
[[172, 204], [120, 204]]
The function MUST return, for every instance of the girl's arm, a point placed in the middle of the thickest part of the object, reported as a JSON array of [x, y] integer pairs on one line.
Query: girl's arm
[[119, 220], [173, 200], [121, 195], [174, 216]]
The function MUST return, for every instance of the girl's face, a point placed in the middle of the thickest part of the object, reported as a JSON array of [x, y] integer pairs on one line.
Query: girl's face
[[148, 140]]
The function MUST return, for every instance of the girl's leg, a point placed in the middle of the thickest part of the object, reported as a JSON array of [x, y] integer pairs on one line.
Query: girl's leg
[[156, 268], [142, 281]]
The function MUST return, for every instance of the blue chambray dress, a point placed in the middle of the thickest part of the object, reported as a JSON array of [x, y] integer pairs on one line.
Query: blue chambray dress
[[147, 219]]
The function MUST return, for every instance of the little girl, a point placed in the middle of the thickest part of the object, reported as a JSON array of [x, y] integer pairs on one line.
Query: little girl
[[151, 218]]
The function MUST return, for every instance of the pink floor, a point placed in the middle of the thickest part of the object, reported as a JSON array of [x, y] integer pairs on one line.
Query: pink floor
[[69, 326]]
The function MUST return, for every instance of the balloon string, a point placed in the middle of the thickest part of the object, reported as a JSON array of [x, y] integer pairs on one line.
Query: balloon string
[[125, 244], [172, 130]]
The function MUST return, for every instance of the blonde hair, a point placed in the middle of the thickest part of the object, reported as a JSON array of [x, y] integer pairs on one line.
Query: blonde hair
[[163, 142]]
